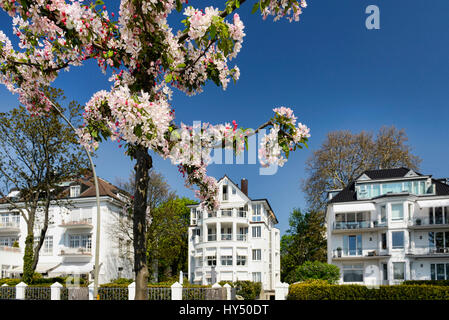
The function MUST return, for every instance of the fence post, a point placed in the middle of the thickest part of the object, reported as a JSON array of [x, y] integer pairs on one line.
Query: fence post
[[132, 291], [228, 291], [56, 291], [20, 291], [4, 285], [91, 291], [281, 291], [176, 291]]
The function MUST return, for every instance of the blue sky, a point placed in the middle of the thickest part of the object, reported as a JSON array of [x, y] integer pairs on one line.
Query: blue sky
[[333, 72]]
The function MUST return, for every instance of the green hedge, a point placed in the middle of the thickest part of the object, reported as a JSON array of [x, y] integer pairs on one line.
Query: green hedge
[[427, 282], [320, 291], [247, 289]]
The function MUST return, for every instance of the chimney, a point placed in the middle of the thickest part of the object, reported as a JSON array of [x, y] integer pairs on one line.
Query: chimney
[[244, 186]]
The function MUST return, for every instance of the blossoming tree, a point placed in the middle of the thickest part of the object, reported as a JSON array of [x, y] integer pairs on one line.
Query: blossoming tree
[[148, 59]]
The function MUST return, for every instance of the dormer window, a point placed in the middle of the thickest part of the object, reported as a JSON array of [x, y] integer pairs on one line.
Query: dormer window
[[75, 191]]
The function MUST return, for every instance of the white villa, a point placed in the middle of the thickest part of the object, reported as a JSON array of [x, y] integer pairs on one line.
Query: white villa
[[238, 242], [69, 246], [388, 226]]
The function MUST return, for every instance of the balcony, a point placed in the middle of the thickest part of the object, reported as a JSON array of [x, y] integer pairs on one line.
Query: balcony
[[343, 227], [76, 252], [241, 237], [426, 223], [211, 237], [357, 254], [429, 252], [226, 213], [226, 236], [77, 221], [9, 227]]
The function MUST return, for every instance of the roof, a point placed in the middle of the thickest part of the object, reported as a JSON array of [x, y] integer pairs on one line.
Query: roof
[[87, 185], [387, 173], [348, 194]]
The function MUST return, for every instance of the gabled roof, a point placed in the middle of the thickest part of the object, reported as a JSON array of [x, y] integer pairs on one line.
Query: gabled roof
[[348, 194]]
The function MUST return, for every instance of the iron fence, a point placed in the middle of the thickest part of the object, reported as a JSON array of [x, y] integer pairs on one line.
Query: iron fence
[[37, 293], [113, 293], [159, 293], [7, 293]]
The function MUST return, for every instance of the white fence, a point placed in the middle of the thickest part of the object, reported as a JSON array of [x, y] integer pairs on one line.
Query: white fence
[[176, 292]]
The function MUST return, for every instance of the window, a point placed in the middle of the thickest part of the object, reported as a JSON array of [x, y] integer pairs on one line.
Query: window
[[226, 260], [225, 193], [399, 270], [242, 212], [257, 254], [397, 211], [80, 240], [439, 240], [439, 271], [385, 271], [241, 260], [384, 241], [257, 232], [211, 260], [257, 212], [353, 273], [398, 239], [234, 191], [47, 246], [352, 245], [257, 276], [75, 191], [197, 232], [383, 214]]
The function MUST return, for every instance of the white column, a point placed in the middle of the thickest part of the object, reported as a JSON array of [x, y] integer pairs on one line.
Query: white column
[[218, 230], [176, 291], [204, 230], [132, 291], [228, 291], [91, 291], [20, 291], [56, 291], [281, 291], [234, 231]]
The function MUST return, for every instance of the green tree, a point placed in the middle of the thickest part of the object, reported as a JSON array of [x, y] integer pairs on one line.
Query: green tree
[[304, 241], [36, 155], [344, 156], [315, 270], [168, 237]]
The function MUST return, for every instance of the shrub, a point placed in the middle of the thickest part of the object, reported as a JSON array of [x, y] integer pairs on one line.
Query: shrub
[[427, 282], [325, 291], [315, 270], [247, 289], [123, 281]]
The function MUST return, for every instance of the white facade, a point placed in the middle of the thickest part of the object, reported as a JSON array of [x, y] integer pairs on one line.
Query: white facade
[[69, 246], [396, 228], [238, 242]]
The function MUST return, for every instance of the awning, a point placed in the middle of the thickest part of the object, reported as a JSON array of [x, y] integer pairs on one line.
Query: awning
[[41, 268], [211, 251], [226, 251], [74, 268], [433, 203], [356, 207], [242, 252]]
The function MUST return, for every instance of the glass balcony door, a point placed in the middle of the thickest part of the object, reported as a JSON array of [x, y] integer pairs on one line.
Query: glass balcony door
[[352, 245]]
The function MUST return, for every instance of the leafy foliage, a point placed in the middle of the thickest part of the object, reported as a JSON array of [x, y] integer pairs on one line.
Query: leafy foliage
[[304, 241], [315, 270], [249, 290], [324, 291]]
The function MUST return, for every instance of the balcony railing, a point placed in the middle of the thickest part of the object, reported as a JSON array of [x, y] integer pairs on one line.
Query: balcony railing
[[77, 220], [11, 249], [226, 213], [241, 214], [365, 252], [358, 225], [425, 221], [69, 251], [9, 225], [241, 237], [428, 251], [226, 236], [211, 237]]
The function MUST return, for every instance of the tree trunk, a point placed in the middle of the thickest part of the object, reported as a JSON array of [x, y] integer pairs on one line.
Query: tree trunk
[[28, 257], [142, 167]]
